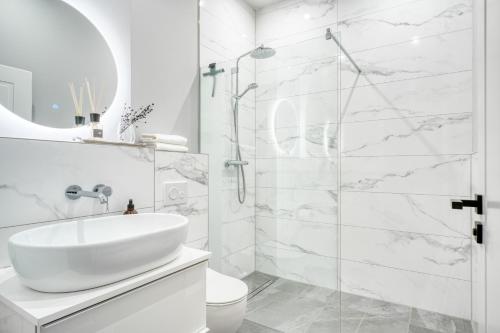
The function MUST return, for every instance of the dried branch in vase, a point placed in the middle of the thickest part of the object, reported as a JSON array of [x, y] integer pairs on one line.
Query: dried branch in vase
[[133, 116]]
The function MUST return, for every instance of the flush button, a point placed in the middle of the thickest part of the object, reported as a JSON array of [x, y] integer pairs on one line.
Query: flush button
[[174, 193]]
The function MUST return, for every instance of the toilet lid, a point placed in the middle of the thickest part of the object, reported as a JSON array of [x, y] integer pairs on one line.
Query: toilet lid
[[223, 289]]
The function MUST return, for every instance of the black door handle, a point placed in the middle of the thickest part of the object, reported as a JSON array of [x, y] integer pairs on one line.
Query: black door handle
[[478, 204]]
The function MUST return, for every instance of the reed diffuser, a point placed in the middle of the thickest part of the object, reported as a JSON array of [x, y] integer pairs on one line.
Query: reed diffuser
[[78, 104], [95, 116]]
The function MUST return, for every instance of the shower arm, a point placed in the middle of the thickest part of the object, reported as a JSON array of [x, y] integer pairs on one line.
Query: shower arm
[[329, 36]]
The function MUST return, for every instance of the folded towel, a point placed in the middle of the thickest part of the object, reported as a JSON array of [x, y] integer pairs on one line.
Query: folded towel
[[167, 147], [164, 138]]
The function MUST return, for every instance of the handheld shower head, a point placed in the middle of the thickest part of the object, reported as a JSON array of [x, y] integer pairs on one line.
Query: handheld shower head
[[251, 86]]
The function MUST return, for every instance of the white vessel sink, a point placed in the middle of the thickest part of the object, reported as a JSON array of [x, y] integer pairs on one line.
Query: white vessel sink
[[90, 253]]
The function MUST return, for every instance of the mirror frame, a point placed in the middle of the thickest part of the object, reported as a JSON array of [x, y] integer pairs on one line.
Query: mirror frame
[[116, 33]]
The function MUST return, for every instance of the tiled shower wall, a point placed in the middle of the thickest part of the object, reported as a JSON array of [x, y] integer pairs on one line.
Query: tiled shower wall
[[296, 144], [227, 30], [405, 149]]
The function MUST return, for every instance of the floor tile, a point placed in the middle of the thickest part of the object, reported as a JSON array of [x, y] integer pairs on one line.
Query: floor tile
[[322, 294], [294, 307], [267, 297], [287, 314], [291, 287], [385, 325], [353, 305], [416, 329], [251, 327], [439, 322], [334, 326]]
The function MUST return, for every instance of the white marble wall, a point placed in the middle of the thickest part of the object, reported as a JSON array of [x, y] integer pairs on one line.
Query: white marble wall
[[35, 174], [406, 139], [403, 149], [227, 30], [296, 144], [192, 168]]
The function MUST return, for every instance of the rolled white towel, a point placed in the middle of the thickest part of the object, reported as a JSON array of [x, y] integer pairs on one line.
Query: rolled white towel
[[168, 147], [164, 138]]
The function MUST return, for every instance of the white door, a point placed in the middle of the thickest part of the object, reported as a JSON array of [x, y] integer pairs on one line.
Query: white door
[[16, 90]]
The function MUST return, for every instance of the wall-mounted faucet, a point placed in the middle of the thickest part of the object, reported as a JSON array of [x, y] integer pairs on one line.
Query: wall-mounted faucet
[[100, 192]]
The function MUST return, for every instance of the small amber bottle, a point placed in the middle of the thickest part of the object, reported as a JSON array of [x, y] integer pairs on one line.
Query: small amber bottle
[[130, 208]]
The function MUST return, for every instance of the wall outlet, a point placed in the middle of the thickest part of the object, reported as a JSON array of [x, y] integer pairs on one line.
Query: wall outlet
[[174, 193]]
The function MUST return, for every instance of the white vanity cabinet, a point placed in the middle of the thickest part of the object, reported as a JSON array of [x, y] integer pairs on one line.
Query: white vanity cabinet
[[175, 303], [168, 299]]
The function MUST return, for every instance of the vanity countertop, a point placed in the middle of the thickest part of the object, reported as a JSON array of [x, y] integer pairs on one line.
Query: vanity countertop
[[42, 308]]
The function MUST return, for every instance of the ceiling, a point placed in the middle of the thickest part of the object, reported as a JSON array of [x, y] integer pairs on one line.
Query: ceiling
[[261, 3]]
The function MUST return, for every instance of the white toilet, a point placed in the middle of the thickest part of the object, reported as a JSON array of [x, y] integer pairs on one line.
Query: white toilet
[[226, 302]]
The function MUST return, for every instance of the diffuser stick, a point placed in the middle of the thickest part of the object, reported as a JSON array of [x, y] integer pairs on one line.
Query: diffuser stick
[[91, 97], [78, 110], [80, 102]]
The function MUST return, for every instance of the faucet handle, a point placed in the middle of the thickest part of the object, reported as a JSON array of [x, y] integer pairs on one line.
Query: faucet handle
[[73, 192], [104, 189]]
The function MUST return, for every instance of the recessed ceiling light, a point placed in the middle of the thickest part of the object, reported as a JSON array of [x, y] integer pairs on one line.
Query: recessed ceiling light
[[307, 16]]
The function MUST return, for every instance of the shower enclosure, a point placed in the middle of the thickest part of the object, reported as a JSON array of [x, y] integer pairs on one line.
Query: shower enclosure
[[365, 126]]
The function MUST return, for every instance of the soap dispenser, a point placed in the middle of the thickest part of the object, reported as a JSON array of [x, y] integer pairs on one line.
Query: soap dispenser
[[130, 208]]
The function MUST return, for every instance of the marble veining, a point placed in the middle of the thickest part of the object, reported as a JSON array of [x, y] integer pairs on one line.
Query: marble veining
[[290, 17], [314, 77], [405, 171], [307, 237], [404, 212], [442, 94], [434, 55], [295, 204], [196, 210], [239, 264], [438, 255], [435, 293], [297, 173], [297, 265], [446, 134], [188, 167], [56, 213], [448, 13], [75, 163], [409, 22]]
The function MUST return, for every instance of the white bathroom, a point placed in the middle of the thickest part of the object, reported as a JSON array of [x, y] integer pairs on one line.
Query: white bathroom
[[249, 166]]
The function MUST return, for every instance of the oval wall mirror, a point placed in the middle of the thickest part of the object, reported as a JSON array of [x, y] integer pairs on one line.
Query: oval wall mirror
[[48, 53]]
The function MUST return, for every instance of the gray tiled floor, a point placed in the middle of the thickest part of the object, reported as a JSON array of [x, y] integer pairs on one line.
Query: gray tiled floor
[[293, 307]]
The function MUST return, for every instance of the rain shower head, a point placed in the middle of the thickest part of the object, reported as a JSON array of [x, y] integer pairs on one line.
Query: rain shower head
[[251, 86], [262, 52]]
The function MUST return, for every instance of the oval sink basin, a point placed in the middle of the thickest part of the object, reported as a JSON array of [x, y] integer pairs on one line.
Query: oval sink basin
[[90, 253]]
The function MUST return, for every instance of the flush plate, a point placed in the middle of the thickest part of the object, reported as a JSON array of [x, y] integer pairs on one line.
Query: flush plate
[[174, 193]]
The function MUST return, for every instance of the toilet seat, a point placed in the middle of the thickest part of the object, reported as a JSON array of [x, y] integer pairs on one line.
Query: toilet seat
[[224, 290]]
